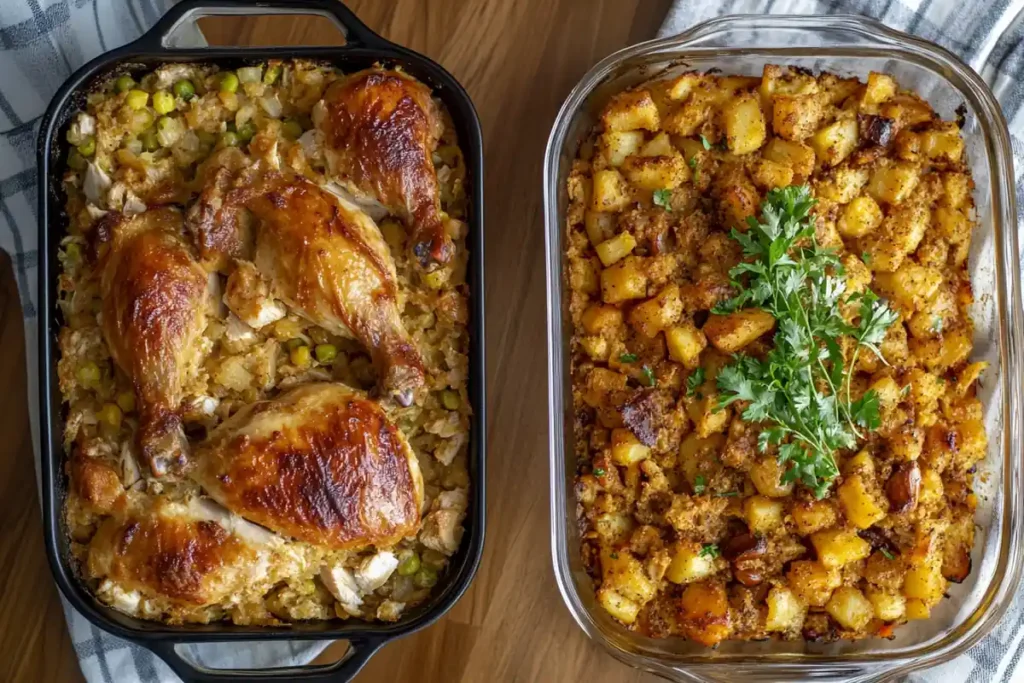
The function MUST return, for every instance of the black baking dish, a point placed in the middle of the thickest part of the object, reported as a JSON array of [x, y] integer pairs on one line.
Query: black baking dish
[[363, 48]]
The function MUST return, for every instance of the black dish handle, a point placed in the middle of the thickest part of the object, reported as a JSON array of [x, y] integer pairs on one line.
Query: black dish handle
[[159, 38], [342, 671]]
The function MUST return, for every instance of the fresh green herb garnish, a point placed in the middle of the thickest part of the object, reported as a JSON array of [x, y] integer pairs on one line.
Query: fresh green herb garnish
[[699, 484], [695, 379], [628, 358], [728, 494], [904, 391], [936, 325], [865, 257], [802, 386], [693, 163], [598, 471], [663, 198], [710, 551], [704, 141], [649, 378], [888, 555], [614, 556]]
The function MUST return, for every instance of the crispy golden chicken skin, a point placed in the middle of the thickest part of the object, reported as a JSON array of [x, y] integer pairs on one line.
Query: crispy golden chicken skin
[[321, 463], [186, 552], [154, 311], [380, 128], [321, 255]]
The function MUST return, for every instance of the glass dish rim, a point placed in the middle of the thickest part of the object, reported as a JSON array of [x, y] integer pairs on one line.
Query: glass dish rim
[[1010, 324]]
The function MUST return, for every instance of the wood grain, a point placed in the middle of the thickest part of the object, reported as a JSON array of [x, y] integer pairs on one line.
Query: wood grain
[[518, 60]]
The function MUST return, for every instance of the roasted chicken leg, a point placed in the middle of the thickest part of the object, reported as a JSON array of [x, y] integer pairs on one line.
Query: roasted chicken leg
[[155, 300], [380, 128], [321, 463], [320, 255]]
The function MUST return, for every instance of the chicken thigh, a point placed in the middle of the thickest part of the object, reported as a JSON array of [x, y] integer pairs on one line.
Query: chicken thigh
[[380, 129], [320, 255], [321, 463], [155, 300]]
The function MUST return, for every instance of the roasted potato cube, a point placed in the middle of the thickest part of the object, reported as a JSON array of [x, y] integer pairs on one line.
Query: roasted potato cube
[[617, 145], [737, 200], [957, 188], [600, 226], [838, 547], [744, 124], [880, 88], [925, 582], [660, 146], [706, 417], [656, 173], [898, 235], [844, 184], [602, 382], [910, 286], [624, 574], [602, 320], [813, 515], [704, 612], [731, 332], [680, 88], [685, 343], [763, 514], [796, 155], [766, 474], [786, 611], [768, 174], [619, 607], [614, 528], [859, 505], [917, 610], [611, 191], [887, 606], [631, 110], [613, 250], [943, 142], [623, 281], [953, 224], [850, 608], [626, 448], [812, 582], [944, 352], [595, 347], [893, 184], [859, 217], [833, 143], [690, 564], [796, 117], [654, 315]]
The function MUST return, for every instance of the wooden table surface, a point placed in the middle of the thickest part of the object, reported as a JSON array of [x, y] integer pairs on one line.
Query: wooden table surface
[[518, 60]]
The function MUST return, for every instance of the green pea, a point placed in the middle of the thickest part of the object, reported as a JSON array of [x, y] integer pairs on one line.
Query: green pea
[[88, 374], [325, 353], [163, 102], [246, 131], [272, 73], [300, 356], [229, 82], [425, 577], [206, 138], [73, 252], [184, 89], [88, 147], [124, 83], [451, 400], [291, 129], [137, 99], [229, 139], [294, 343], [149, 141], [409, 565], [76, 161], [126, 401]]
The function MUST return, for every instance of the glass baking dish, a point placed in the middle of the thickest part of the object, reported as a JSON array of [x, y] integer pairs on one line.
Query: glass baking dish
[[852, 46]]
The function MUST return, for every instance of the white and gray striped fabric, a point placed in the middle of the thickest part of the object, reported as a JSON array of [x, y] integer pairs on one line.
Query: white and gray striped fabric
[[989, 36], [42, 42]]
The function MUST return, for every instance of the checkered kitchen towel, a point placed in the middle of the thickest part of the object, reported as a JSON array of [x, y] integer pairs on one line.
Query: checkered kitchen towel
[[41, 43], [989, 36]]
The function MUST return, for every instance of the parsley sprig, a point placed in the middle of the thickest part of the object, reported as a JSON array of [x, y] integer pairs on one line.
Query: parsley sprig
[[801, 388]]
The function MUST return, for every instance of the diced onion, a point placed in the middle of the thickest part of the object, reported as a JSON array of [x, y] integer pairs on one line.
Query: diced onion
[[96, 183], [272, 106], [250, 74]]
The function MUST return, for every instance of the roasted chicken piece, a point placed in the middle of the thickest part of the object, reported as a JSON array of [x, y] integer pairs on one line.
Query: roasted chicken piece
[[193, 553], [321, 463], [380, 128], [320, 255], [155, 301]]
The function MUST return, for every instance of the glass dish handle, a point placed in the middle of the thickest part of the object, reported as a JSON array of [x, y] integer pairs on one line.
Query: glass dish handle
[[341, 671], [880, 672], [166, 33]]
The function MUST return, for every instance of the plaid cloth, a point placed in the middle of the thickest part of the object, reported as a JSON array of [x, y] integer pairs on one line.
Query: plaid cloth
[[42, 42], [989, 36]]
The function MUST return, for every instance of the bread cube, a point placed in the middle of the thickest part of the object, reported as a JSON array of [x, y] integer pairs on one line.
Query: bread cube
[[731, 332], [623, 281], [860, 217], [812, 582], [859, 505], [898, 235], [833, 143], [631, 110], [850, 608], [839, 547], [685, 343], [689, 564], [617, 145], [614, 528], [796, 117], [613, 250], [744, 124], [601, 383], [626, 448], [786, 611], [706, 417], [763, 514]]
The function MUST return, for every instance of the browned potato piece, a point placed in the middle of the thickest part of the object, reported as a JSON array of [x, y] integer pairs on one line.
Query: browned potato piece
[[744, 124], [733, 331], [632, 110], [704, 612]]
